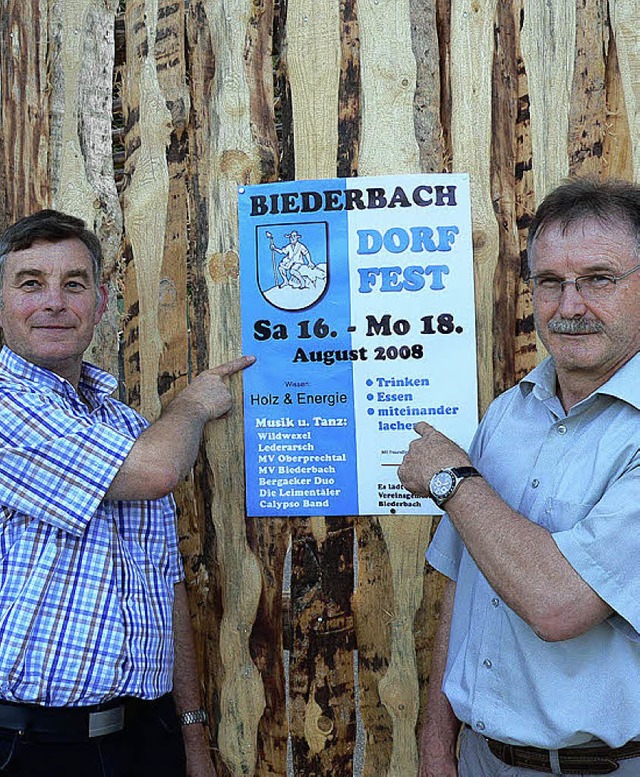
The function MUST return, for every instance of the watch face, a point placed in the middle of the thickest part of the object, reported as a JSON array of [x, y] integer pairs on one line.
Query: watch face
[[441, 484]]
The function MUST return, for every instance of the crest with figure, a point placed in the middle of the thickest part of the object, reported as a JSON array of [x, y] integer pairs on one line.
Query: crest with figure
[[293, 266]]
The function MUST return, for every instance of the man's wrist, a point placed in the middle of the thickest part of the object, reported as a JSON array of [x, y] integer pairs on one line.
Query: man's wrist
[[190, 717]]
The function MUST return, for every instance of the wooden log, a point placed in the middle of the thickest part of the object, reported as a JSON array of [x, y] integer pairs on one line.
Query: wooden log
[[269, 540], [525, 348], [321, 685], [313, 61], [618, 145], [472, 36], [82, 178], [388, 85], [145, 198], [426, 101], [233, 160], [507, 169], [372, 607], [624, 23], [587, 115], [25, 107], [548, 46], [349, 98]]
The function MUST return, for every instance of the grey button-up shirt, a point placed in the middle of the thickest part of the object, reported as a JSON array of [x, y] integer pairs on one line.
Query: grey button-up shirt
[[578, 475]]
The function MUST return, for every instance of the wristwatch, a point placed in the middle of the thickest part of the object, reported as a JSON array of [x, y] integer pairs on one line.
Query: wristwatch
[[446, 482], [193, 716]]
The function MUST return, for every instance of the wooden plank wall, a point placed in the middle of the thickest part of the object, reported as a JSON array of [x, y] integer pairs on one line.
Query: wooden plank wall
[[202, 96]]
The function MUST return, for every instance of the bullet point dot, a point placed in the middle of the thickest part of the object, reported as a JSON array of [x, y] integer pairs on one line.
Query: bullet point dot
[[369, 382], [369, 397], [371, 411]]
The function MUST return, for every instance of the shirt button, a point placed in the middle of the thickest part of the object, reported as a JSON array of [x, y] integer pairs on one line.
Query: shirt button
[[487, 663], [562, 429], [495, 601], [535, 483], [480, 725]]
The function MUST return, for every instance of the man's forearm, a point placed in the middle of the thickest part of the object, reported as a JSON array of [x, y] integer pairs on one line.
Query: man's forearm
[[519, 558], [165, 452]]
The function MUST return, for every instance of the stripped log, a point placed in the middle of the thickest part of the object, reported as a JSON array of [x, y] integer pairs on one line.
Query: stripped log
[[548, 42], [25, 107], [313, 61], [321, 685], [388, 70], [349, 97], [233, 160], [618, 144], [321, 679], [82, 177], [426, 101], [587, 116], [472, 38], [624, 23]]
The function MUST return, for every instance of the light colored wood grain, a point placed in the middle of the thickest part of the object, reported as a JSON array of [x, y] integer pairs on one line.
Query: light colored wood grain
[[146, 196], [313, 60], [82, 177], [548, 47], [472, 24], [388, 69], [625, 22], [232, 162], [407, 538]]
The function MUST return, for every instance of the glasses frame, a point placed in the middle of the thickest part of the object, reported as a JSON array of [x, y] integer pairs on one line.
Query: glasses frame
[[535, 280]]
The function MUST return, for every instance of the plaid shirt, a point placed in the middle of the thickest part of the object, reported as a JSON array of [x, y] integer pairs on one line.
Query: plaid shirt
[[86, 585]]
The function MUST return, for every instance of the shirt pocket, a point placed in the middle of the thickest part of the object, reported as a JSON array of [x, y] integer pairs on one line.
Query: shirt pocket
[[560, 515]]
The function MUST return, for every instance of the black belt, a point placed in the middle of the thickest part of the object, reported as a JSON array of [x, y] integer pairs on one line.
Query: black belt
[[77, 723], [599, 759]]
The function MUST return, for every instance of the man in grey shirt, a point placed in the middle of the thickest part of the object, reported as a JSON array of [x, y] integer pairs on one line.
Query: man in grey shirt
[[538, 648]]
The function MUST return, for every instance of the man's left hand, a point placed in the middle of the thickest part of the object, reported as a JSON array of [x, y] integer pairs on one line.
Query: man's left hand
[[431, 452]]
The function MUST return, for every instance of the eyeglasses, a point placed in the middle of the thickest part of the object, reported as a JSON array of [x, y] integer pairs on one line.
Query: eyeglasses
[[589, 287]]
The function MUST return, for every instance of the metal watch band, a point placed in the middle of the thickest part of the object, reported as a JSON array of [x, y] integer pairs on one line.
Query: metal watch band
[[465, 472], [193, 716]]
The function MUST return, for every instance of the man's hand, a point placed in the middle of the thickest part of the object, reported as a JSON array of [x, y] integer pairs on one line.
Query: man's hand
[[431, 452], [209, 389]]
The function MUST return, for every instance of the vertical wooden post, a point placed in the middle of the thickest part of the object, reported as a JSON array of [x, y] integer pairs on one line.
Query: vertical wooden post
[[82, 177]]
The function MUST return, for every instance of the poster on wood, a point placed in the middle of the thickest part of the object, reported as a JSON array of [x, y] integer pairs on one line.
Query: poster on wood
[[357, 300]]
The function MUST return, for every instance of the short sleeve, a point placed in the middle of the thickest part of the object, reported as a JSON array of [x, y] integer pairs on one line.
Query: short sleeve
[[55, 467], [604, 548]]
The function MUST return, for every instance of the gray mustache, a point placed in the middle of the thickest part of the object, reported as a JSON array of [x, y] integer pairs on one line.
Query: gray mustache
[[575, 326]]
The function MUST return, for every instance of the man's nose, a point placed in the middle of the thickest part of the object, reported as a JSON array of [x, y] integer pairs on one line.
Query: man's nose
[[571, 302], [54, 298]]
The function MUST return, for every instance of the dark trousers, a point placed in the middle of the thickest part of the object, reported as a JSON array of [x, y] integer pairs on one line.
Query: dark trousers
[[150, 745]]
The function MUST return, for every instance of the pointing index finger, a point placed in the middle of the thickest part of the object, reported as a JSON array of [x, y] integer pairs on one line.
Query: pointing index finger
[[233, 366]]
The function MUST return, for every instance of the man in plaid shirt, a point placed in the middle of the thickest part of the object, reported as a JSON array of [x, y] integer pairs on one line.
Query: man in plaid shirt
[[92, 595]]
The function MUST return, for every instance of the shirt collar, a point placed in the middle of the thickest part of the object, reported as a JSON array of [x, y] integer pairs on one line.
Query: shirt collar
[[623, 384], [94, 382]]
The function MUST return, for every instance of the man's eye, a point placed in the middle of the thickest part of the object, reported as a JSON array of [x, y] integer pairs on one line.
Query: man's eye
[[31, 283], [597, 281], [76, 285], [548, 283]]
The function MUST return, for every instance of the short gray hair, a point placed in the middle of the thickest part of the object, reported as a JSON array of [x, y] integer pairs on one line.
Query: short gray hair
[[579, 199]]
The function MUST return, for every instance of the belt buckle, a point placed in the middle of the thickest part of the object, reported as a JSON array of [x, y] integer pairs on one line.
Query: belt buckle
[[106, 721]]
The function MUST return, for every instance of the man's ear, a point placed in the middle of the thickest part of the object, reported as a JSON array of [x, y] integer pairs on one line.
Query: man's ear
[[103, 297]]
